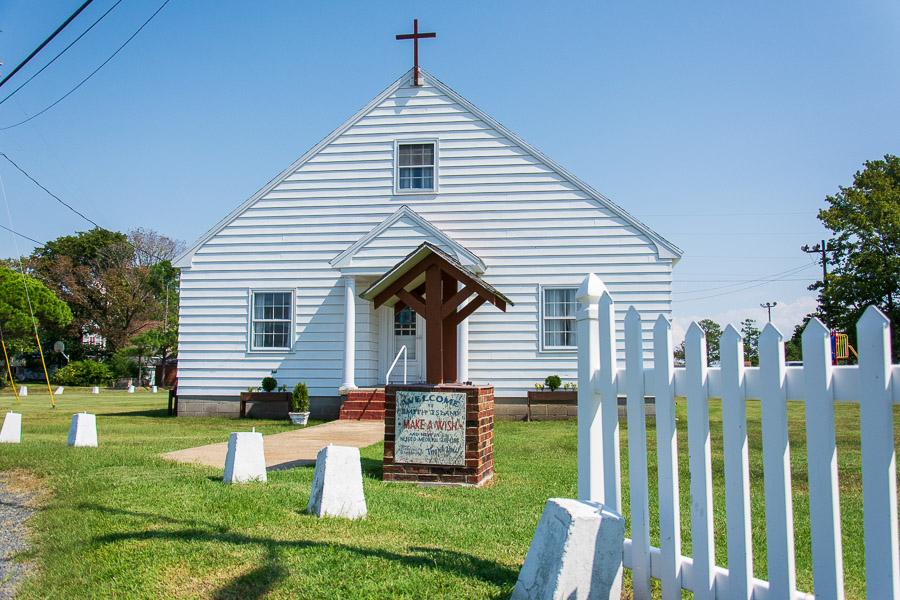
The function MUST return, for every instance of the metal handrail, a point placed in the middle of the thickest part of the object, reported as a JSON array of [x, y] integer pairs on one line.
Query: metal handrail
[[402, 351]]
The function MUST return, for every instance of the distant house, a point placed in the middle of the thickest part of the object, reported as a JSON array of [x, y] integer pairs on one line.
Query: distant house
[[273, 288], [93, 339]]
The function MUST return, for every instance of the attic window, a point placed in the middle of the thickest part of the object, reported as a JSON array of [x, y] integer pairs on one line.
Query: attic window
[[415, 167]]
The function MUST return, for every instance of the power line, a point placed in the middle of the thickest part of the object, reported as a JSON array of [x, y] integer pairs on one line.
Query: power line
[[94, 72], [67, 205], [58, 199], [733, 291], [63, 51], [45, 42], [767, 278], [22, 235]]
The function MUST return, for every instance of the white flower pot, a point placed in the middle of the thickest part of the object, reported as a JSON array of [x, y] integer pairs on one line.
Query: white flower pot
[[299, 418]]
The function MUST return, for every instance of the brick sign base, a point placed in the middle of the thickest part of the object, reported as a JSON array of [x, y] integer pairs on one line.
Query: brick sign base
[[478, 467]]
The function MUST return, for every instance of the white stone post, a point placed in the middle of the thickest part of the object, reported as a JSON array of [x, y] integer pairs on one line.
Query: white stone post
[[246, 458], [83, 430], [23, 391], [11, 433], [337, 486], [576, 553], [349, 332], [590, 433]]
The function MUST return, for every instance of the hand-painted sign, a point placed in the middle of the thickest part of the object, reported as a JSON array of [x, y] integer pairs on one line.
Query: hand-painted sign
[[430, 428]]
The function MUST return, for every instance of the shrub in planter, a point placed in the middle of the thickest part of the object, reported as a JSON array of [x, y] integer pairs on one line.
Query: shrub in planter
[[83, 373], [269, 384], [553, 382], [300, 398]]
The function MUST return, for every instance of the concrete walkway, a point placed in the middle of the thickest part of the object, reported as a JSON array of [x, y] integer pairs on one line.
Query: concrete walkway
[[291, 448]]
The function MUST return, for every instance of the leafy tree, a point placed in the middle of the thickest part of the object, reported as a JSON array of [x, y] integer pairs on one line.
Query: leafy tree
[[15, 316], [864, 262], [751, 341], [713, 332], [81, 249], [115, 284]]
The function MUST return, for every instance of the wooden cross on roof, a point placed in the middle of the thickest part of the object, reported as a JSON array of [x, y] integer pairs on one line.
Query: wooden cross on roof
[[415, 36], [429, 281]]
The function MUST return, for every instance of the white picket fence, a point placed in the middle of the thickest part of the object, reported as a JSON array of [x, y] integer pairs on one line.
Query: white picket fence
[[874, 385]]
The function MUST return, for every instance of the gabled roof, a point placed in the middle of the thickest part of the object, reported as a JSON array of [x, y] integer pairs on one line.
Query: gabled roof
[[665, 249], [416, 257], [439, 239]]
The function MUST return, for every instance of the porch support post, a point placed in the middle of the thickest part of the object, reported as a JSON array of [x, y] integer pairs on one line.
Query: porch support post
[[450, 349], [349, 332], [462, 348], [434, 327]]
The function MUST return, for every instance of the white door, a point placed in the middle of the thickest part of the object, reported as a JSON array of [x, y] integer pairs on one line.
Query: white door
[[405, 328]]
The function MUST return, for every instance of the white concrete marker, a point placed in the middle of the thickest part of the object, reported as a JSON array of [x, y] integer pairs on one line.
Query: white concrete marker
[[23, 391], [337, 489], [11, 433], [130, 389], [154, 390], [246, 460], [95, 390], [58, 391], [83, 430], [576, 553]]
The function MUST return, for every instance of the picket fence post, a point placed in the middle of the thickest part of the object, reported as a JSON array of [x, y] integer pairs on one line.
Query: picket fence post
[[637, 455], [605, 384], [822, 463], [590, 433], [699, 447], [667, 461], [879, 461], [737, 466], [776, 465]]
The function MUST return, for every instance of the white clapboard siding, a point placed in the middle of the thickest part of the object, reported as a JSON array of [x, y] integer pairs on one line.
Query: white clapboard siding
[[874, 385], [531, 223]]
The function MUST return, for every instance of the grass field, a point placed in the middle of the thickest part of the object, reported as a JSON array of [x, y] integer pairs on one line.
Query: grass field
[[119, 522]]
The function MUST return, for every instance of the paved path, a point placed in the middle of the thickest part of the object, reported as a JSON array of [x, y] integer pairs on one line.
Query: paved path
[[292, 448], [15, 508]]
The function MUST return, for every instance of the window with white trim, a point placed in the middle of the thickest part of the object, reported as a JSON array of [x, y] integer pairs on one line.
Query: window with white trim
[[270, 327], [558, 307], [416, 167]]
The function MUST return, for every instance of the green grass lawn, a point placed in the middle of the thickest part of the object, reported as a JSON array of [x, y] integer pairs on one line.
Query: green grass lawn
[[119, 522]]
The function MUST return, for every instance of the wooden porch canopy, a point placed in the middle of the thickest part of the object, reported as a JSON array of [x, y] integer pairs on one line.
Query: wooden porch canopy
[[428, 281]]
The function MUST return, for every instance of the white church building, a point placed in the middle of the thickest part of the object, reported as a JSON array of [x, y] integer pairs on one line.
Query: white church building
[[274, 288]]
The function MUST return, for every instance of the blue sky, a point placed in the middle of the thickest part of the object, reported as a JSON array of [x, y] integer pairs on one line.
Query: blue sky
[[722, 126]]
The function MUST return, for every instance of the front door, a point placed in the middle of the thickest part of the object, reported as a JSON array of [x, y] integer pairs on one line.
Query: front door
[[405, 328]]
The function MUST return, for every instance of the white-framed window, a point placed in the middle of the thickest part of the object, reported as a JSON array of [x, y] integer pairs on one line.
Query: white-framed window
[[271, 318], [415, 170], [558, 308]]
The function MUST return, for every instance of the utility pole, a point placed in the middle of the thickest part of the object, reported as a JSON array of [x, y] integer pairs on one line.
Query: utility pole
[[822, 249], [768, 306]]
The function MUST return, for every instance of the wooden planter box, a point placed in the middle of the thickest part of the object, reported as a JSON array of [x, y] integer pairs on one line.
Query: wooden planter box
[[276, 397], [557, 397], [548, 397]]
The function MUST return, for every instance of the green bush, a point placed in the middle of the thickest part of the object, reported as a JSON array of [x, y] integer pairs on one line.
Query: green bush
[[123, 366], [300, 397], [553, 382], [269, 384], [83, 373]]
